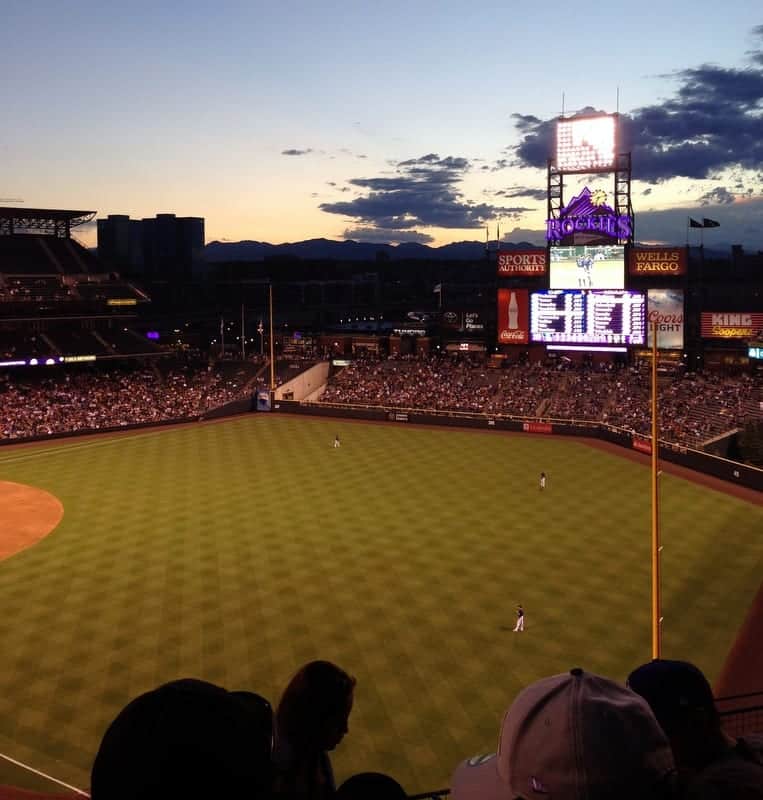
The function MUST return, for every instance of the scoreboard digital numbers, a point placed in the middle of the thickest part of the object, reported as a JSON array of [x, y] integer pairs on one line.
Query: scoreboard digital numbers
[[595, 317]]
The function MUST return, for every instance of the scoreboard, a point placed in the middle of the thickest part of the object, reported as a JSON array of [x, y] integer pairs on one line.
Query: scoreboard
[[595, 317]]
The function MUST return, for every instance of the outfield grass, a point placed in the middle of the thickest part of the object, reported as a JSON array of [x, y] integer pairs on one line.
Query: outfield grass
[[237, 551]]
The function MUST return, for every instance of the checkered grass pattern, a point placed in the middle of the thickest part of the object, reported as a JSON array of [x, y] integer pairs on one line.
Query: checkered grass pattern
[[237, 551]]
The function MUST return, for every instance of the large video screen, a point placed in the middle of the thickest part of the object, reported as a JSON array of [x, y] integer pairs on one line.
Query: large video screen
[[588, 266], [587, 317], [586, 144]]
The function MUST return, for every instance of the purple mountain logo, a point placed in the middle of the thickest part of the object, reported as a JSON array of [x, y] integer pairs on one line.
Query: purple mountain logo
[[589, 213], [588, 203]]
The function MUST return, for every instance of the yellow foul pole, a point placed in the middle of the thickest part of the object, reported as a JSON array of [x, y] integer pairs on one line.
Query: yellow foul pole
[[656, 610], [272, 346]]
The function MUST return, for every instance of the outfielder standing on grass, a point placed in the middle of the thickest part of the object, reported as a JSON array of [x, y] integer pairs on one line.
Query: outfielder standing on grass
[[520, 626], [542, 483]]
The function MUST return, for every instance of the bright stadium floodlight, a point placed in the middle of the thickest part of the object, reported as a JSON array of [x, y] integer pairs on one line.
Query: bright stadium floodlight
[[586, 144]]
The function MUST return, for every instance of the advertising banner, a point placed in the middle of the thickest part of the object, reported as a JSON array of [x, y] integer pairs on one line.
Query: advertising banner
[[657, 261], [525, 262], [666, 308], [473, 322], [642, 445], [513, 316], [730, 325], [537, 427]]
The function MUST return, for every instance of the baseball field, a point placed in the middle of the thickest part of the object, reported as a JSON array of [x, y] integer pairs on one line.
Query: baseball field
[[237, 551]]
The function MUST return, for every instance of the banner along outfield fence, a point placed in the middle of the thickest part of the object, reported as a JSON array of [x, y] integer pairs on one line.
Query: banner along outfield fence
[[732, 471]]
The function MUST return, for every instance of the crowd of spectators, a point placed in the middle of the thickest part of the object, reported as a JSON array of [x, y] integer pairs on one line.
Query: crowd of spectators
[[568, 736], [438, 383], [693, 407], [92, 399]]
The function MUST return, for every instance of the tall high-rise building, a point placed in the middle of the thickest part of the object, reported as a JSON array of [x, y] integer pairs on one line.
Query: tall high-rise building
[[164, 248]]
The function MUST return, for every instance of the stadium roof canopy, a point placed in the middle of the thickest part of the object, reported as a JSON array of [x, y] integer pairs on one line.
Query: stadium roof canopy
[[41, 220]]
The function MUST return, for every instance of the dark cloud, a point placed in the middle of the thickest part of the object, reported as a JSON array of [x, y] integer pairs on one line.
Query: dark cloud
[[378, 236], [496, 166], [647, 191], [718, 196], [421, 192], [711, 123], [738, 224], [756, 56], [295, 152], [524, 191]]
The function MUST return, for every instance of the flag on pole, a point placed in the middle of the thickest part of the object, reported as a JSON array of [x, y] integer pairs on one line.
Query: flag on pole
[[710, 223], [694, 224], [437, 289]]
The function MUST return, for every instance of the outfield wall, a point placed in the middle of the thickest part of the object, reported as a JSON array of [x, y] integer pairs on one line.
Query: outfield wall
[[732, 471], [47, 437]]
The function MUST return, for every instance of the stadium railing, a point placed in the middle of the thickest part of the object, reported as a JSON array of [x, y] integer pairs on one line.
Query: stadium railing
[[741, 714]]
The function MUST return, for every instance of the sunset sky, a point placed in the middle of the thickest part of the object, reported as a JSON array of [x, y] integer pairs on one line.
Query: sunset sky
[[397, 121]]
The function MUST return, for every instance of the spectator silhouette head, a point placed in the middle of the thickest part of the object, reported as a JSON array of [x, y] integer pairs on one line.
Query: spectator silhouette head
[[311, 719], [371, 786], [574, 736], [682, 700], [188, 739], [315, 707]]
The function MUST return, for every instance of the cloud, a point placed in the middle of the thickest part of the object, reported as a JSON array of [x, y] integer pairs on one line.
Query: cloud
[[711, 122], [738, 224], [377, 236], [756, 56], [720, 196], [295, 152], [523, 191], [420, 192]]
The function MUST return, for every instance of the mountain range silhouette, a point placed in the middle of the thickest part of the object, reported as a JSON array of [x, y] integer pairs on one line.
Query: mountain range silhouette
[[349, 250]]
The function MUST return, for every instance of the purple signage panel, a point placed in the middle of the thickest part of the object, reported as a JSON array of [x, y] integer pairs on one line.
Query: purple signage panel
[[589, 213]]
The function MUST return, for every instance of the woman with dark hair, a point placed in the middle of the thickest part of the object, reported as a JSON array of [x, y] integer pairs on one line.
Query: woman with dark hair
[[311, 720]]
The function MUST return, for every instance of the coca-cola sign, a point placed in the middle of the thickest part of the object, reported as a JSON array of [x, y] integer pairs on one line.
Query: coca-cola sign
[[514, 263], [513, 316], [666, 308]]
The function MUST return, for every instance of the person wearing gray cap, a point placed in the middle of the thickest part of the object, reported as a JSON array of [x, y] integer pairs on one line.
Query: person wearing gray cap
[[574, 736]]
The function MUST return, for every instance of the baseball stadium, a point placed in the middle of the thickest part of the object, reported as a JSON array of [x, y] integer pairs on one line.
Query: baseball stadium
[[179, 499]]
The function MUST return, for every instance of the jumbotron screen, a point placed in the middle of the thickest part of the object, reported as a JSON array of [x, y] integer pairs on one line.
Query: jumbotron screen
[[599, 317], [586, 144], [587, 266]]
